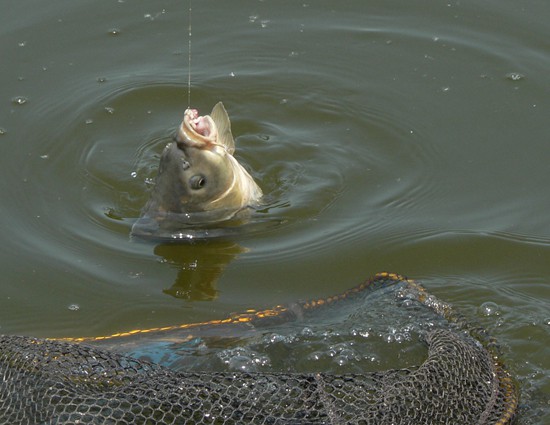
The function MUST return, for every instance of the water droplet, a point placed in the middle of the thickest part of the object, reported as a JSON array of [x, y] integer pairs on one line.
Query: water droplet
[[19, 100], [489, 309], [109, 110], [74, 307], [514, 76], [101, 79], [114, 31]]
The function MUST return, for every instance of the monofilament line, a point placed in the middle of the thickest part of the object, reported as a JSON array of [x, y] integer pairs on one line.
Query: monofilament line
[[189, 65]]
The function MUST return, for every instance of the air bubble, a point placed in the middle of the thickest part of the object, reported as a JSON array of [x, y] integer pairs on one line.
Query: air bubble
[[361, 332], [109, 110], [19, 100], [114, 31], [307, 331], [89, 121], [240, 359], [275, 338], [74, 307], [2, 131], [489, 309], [515, 76], [341, 361], [315, 356], [240, 363], [133, 174], [101, 79]]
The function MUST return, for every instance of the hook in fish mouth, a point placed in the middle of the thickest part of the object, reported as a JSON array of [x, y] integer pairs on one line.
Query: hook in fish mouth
[[196, 130]]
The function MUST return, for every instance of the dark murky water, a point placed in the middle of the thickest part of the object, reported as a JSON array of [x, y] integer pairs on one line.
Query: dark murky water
[[402, 136]]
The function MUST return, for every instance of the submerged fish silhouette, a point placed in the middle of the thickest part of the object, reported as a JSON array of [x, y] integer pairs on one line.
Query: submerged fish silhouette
[[199, 182]]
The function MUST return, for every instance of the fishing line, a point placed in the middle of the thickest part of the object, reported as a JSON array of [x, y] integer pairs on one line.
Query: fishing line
[[189, 65]]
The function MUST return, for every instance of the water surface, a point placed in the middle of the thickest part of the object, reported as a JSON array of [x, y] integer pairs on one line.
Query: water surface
[[401, 136]]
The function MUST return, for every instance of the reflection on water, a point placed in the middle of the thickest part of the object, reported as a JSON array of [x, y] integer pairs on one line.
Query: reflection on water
[[199, 267]]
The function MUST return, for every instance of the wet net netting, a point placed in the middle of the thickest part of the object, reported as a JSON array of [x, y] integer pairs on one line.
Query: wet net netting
[[460, 380]]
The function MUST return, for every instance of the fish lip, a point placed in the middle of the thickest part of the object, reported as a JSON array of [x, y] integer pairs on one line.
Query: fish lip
[[188, 132]]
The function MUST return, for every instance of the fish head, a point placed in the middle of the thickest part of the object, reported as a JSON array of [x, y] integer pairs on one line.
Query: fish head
[[198, 172]]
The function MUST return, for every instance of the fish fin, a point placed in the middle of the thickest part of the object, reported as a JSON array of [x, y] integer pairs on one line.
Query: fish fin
[[223, 125]]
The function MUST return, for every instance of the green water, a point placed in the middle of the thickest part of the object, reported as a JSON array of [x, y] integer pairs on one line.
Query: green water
[[387, 135]]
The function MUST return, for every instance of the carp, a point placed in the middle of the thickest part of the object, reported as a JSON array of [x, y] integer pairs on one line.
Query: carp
[[199, 181]]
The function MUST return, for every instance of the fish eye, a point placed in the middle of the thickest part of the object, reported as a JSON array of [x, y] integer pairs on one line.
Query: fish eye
[[197, 182]]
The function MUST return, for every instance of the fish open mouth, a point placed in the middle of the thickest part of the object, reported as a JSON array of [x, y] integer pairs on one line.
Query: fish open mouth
[[196, 130]]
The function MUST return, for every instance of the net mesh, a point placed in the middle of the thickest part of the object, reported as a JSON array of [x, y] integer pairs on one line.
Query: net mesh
[[460, 382]]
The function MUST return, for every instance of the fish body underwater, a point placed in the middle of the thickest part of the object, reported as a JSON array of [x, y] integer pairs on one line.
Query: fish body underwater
[[199, 182]]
